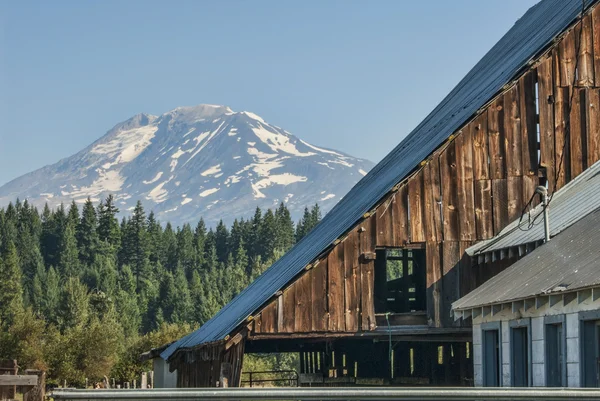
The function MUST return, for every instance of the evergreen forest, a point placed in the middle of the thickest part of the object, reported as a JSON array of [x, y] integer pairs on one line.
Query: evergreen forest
[[83, 294]]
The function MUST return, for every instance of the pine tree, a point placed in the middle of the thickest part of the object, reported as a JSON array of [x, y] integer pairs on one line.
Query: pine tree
[[108, 224], [155, 243], [315, 216], [196, 296], [303, 225], [74, 305], [134, 249], [87, 233], [253, 241], [37, 289], [68, 255], [11, 301], [182, 307], [186, 253], [285, 228], [268, 235], [169, 240], [51, 297], [167, 296], [73, 214], [50, 236], [222, 241], [199, 243]]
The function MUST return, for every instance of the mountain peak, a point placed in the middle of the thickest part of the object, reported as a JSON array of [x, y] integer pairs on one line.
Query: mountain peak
[[199, 112], [194, 161]]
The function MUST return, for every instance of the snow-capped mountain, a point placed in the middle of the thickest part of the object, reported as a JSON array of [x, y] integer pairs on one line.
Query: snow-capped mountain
[[195, 161]]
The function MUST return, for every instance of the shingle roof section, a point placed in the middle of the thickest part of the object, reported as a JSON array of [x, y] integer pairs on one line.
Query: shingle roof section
[[569, 262], [576, 199], [526, 39]]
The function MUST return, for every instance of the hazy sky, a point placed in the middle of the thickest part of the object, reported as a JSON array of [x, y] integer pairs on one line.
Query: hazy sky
[[354, 76]]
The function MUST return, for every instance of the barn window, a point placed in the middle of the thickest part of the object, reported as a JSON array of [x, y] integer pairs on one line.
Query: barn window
[[400, 280]]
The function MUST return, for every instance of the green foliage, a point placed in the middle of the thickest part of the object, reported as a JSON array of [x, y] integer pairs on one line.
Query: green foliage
[[83, 295]]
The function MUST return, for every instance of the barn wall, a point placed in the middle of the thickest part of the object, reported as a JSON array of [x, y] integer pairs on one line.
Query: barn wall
[[545, 127]]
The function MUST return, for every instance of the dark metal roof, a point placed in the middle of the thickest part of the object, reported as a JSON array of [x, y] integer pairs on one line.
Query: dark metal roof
[[578, 198], [569, 262], [527, 38]]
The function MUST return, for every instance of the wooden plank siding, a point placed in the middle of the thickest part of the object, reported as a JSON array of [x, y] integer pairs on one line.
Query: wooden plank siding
[[540, 129], [352, 282], [319, 278], [464, 188], [546, 99], [596, 44], [416, 207], [366, 240], [335, 289]]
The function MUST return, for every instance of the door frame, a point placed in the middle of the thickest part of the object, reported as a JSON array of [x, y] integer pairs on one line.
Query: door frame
[[586, 316], [519, 324]]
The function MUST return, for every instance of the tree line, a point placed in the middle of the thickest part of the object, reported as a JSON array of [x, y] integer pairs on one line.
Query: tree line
[[82, 294]]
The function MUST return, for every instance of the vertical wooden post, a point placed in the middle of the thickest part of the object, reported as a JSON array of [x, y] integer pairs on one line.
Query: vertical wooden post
[[37, 393], [10, 367], [225, 375], [144, 381]]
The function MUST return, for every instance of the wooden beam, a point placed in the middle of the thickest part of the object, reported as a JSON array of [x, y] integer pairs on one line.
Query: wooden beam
[[596, 43], [416, 194], [512, 133], [18, 380], [500, 204], [528, 116], [541, 301], [592, 105], [577, 136], [561, 148], [528, 304], [464, 188], [555, 298], [585, 64], [569, 297], [496, 139], [486, 310], [567, 55], [517, 305], [546, 117]]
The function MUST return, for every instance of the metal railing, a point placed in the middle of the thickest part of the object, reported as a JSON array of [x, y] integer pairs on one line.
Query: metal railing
[[278, 377], [347, 393]]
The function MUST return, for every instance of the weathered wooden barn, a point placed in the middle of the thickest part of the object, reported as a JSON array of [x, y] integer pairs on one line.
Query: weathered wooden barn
[[366, 296]]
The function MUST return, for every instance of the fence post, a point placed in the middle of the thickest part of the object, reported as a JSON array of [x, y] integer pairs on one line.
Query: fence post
[[144, 381], [38, 393], [8, 366]]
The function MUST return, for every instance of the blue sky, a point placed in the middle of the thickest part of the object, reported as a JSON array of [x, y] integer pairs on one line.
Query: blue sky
[[354, 76]]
